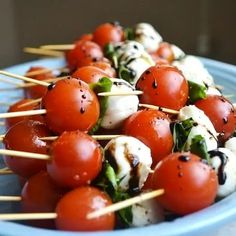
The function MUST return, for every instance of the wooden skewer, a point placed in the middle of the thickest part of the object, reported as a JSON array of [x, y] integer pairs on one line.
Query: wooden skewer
[[97, 137], [10, 198], [44, 71], [126, 203], [40, 82], [24, 154], [6, 171], [23, 113], [35, 101], [28, 216], [58, 47], [167, 110], [124, 93], [44, 52], [92, 215]]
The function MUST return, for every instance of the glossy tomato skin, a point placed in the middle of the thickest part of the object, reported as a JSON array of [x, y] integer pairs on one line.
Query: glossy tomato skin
[[89, 74], [73, 208], [163, 86], [84, 53], [165, 52], [41, 194], [189, 184], [221, 113], [86, 37], [17, 107], [76, 159], [108, 33], [24, 136], [105, 66], [152, 127], [37, 91], [71, 105]]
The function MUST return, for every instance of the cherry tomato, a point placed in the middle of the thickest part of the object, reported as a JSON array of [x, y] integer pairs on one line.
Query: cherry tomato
[[24, 136], [18, 107], [37, 91], [40, 194], [84, 53], [189, 184], [153, 129], [165, 51], [108, 33], [163, 86], [73, 208], [76, 159], [89, 74], [86, 37], [221, 113], [105, 65], [71, 105]]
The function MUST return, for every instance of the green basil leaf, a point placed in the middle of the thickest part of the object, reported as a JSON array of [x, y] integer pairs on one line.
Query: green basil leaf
[[180, 131], [129, 33], [126, 74], [198, 147], [103, 85], [110, 53], [196, 92]]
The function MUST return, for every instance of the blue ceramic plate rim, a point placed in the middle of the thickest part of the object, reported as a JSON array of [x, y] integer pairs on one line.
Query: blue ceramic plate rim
[[205, 220]]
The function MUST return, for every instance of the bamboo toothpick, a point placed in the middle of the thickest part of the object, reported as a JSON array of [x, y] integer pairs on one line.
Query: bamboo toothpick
[[23, 113], [44, 71], [35, 101], [28, 216], [126, 203], [43, 52], [39, 82], [58, 47], [97, 137], [167, 110], [6, 171], [10, 198], [24, 154], [124, 93]]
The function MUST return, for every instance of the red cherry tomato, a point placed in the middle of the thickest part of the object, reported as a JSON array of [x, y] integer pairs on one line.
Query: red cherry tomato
[[40, 194], [108, 33], [189, 184], [165, 52], [89, 74], [163, 86], [105, 65], [71, 105], [84, 53], [37, 91], [221, 113], [18, 107], [153, 129], [76, 159], [24, 136], [73, 208], [158, 60], [86, 37]]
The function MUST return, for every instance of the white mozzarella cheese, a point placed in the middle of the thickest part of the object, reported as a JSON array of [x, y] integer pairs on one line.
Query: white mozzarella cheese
[[198, 116], [133, 161], [146, 213], [231, 145], [229, 170], [178, 52], [147, 36], [119, 107], [213, 91]]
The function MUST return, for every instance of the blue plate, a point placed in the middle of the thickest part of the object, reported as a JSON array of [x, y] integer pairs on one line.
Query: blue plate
[[202, 222]]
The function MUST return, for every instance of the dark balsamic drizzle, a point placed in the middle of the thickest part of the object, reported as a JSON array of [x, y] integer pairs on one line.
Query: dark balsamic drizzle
[[147, 72], [51, 86], [225, 120], [154, 84], [223, 159], [109, 156], [82, 110], [184, 158]]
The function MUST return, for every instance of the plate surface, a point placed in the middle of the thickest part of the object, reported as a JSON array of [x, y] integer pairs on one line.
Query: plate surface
[[207, 220]]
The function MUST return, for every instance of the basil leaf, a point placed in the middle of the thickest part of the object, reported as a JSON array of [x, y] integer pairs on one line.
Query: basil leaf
[[198, 147], [196, 92], [180, 131], [129, 33], [103, 85], [126, 74], [110, 53]]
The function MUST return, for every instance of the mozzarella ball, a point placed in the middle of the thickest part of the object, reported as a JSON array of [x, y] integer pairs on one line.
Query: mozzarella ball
[[147, 36], [194, 71], [213, 91], [231, 145], [224, 163], [211, 141], [131, 160], [119, 107], [198, 116], [178, 52], [146, 213]]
